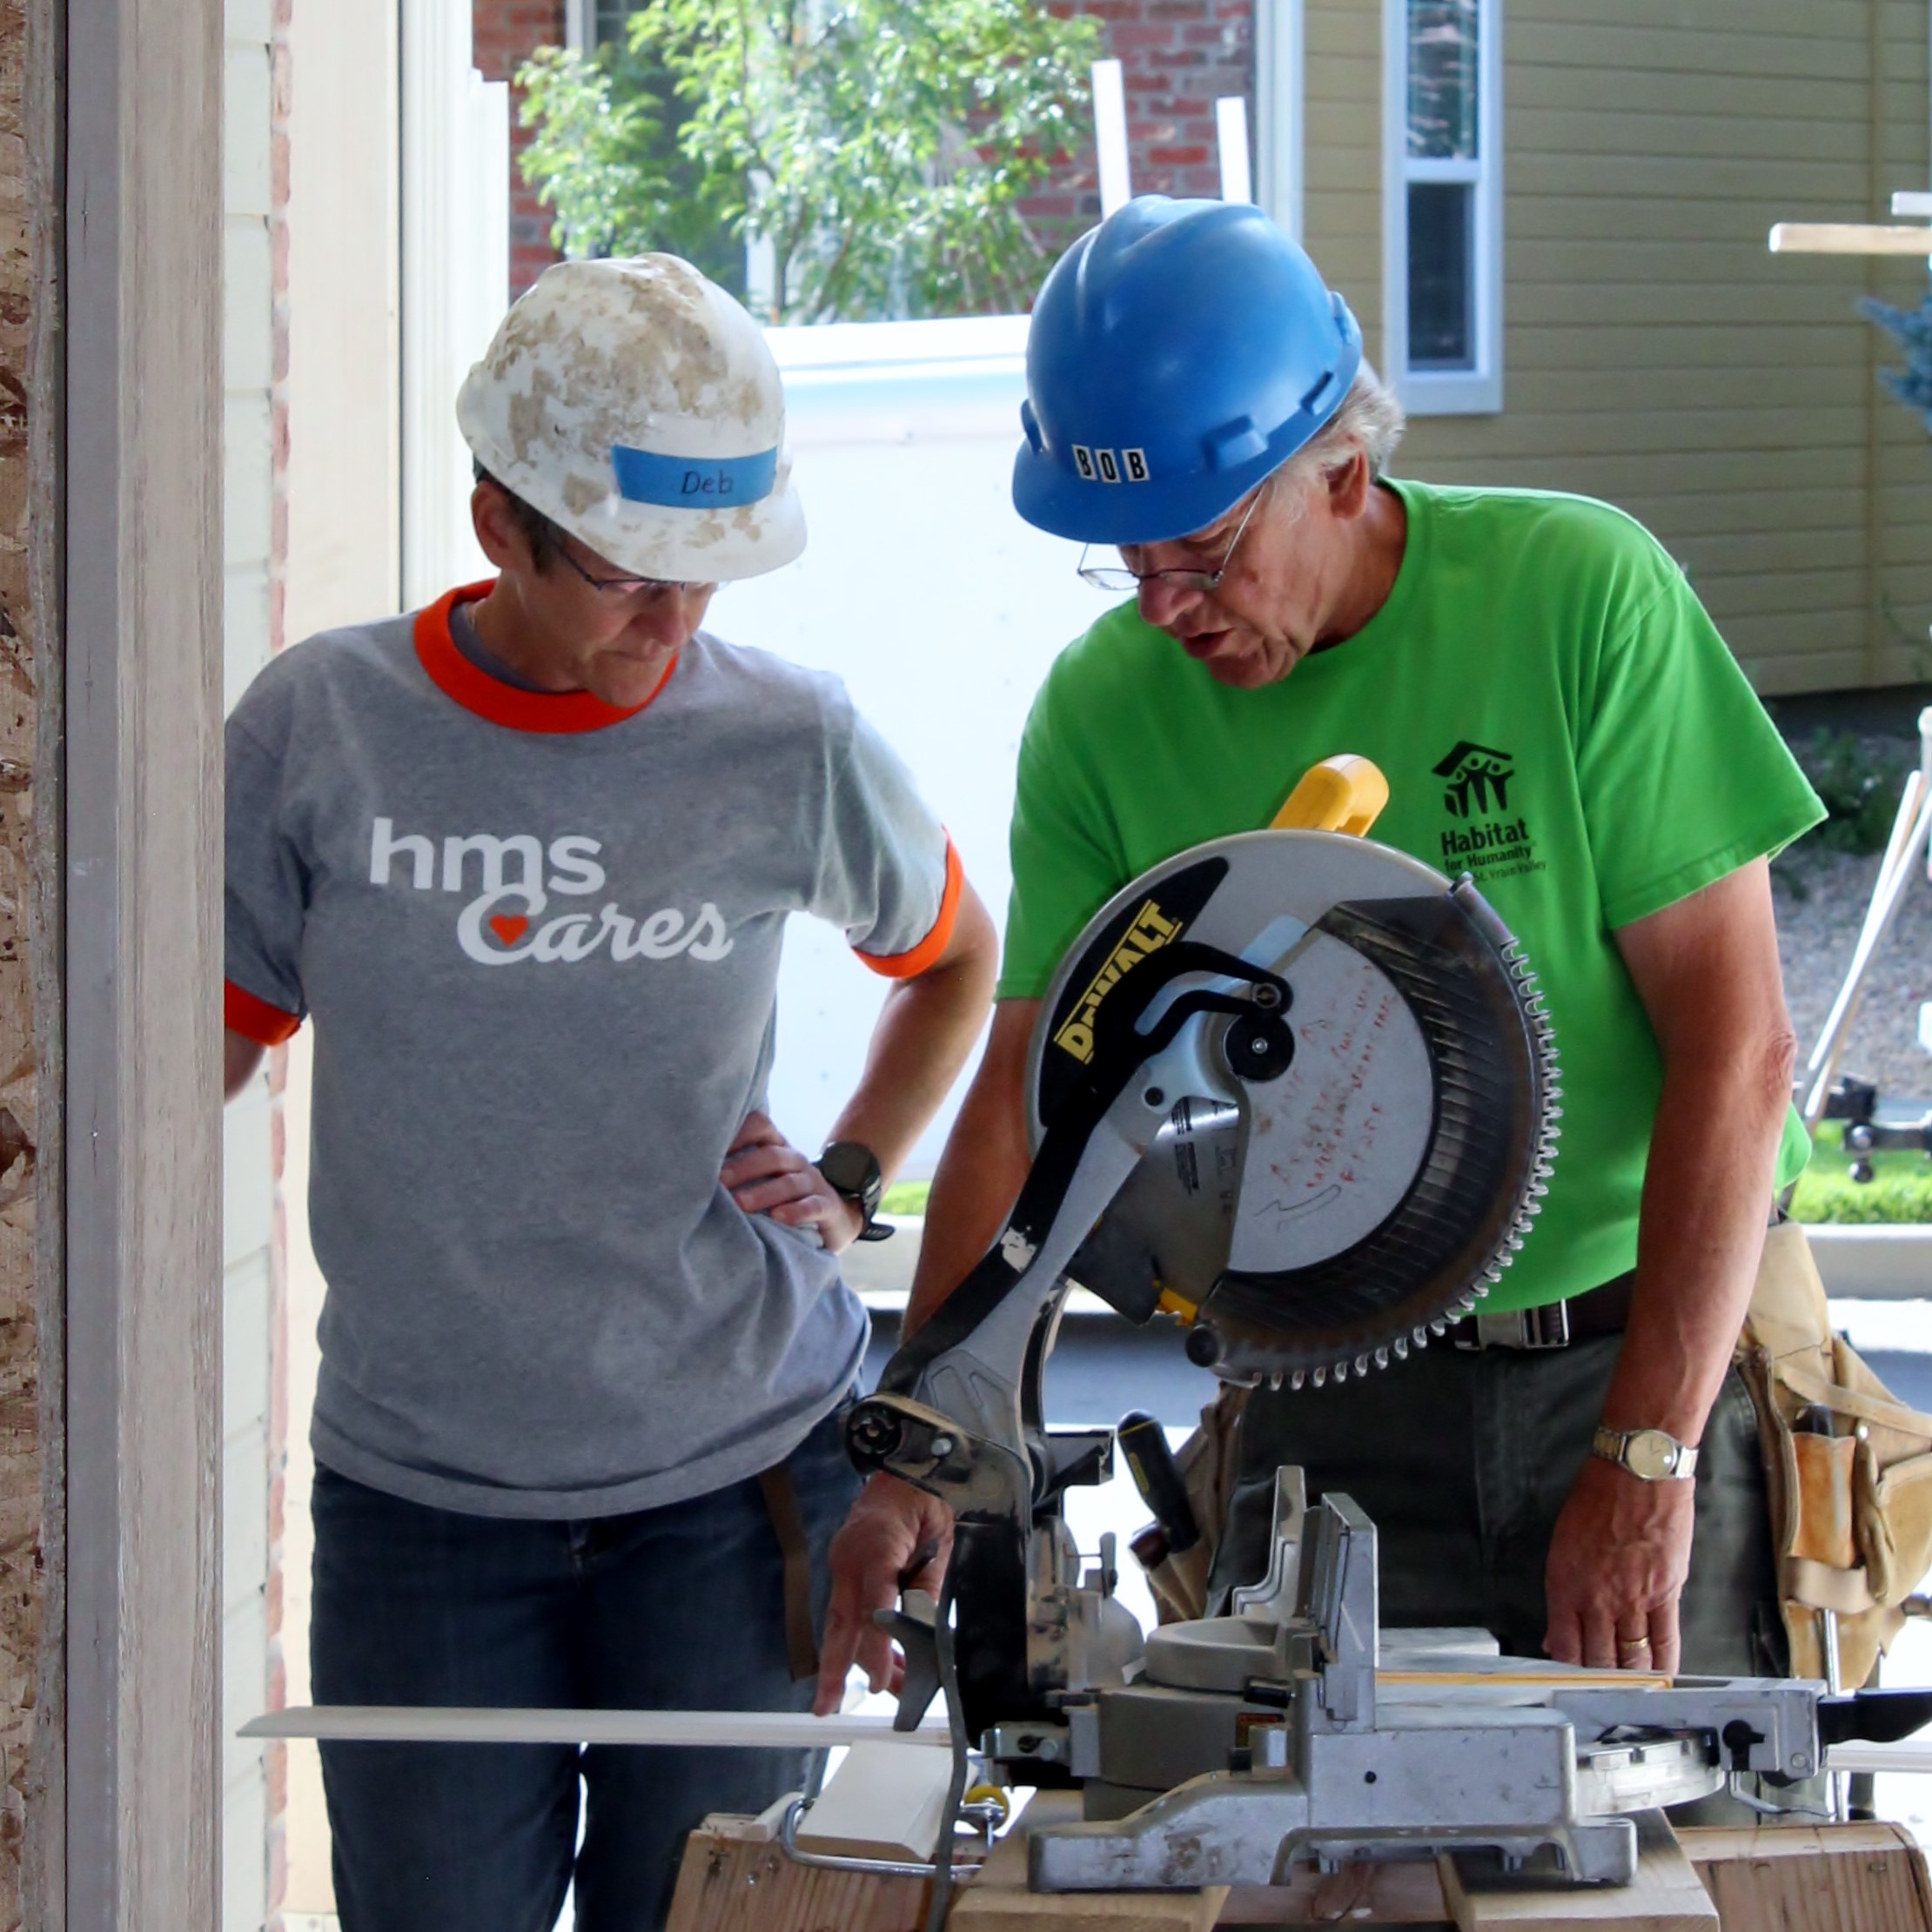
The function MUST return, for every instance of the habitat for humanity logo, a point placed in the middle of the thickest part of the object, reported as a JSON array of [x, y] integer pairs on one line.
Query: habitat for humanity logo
[[1476, 781], [1472, 776]]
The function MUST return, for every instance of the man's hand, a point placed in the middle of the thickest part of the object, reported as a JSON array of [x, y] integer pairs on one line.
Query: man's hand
[[768, 1175], [1617, 1566], [897, 1538]]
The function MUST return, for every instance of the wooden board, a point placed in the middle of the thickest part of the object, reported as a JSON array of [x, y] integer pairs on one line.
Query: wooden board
[[1805, 1878], [998, 1896], [1408, 1893], [1841, 1878], [1665, 1897], [881, 1803], [735, 1879]]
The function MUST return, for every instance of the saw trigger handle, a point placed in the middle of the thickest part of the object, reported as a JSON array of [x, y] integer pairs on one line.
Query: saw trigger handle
[[1343, 794], [913, 1626]]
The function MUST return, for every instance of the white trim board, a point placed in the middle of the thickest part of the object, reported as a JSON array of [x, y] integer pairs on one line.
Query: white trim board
[[696, 1730], [1280, 89]]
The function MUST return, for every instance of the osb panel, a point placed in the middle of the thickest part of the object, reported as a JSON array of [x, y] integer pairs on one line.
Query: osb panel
[[20, 1473]]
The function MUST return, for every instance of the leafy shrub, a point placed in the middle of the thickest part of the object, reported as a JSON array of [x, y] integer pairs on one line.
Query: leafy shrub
[[1859, 780], [1899, 1192]]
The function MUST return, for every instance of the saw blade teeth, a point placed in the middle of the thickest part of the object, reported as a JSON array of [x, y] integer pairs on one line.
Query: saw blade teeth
[[1274, 1381], [1438, 1326], [1298, 1380], [1400, 1344], [1421, 1337], [1381, 1357], [1361, 1365], [1339, 1372], [1321, 1376]]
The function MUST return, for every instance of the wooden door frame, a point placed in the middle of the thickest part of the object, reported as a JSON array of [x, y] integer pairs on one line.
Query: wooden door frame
[[130, 134]]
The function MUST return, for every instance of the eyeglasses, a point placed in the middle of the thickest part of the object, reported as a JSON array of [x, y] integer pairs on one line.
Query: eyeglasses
[[655, 587], [1103, 578]]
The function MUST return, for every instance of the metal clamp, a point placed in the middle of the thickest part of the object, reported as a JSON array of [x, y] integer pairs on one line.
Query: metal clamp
[[985, 1816]]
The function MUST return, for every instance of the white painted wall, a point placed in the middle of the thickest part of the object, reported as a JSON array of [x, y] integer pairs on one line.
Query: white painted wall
[[455, 266], [940, 608], [247, 1183]]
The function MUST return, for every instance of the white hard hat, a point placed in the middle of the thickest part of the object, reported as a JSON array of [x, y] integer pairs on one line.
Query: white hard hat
[[637, 406]]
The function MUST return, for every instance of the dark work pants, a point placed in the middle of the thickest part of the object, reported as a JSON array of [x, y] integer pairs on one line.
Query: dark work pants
[[681, 1607], [1463, 1459]]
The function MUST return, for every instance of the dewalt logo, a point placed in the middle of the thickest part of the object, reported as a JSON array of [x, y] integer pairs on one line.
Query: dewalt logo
[[1151, 930]]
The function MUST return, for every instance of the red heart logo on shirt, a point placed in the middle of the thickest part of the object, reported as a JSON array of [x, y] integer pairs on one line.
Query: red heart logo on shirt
[[509, 926]]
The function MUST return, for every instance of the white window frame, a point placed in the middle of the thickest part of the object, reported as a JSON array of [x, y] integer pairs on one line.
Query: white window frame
[[1477, 391], [1280, 111]]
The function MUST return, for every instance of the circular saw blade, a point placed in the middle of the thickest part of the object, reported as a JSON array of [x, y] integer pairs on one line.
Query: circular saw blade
[[1321, 1217]]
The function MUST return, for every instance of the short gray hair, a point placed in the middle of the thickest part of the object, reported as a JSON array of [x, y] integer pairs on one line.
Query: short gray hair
[[1370, 420]]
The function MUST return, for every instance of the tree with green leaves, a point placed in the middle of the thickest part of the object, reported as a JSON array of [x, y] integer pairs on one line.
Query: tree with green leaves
[[881, 148], [1913, 328]]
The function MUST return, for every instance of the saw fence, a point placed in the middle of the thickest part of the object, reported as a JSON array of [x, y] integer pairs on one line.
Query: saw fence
[[1830, 1878]]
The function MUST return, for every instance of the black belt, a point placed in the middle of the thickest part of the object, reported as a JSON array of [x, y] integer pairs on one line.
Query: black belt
[[1597, 1312]]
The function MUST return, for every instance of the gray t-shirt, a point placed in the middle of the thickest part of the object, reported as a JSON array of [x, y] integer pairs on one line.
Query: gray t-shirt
[[539, 940]]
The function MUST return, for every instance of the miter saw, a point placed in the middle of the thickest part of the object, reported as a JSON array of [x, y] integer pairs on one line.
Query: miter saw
[[1297, 1090]]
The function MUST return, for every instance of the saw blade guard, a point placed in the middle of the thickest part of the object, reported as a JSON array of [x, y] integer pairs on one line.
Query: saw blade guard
[[1318, 1212]]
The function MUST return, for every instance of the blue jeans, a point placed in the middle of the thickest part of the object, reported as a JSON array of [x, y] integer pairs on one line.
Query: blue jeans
[[681, 1607]]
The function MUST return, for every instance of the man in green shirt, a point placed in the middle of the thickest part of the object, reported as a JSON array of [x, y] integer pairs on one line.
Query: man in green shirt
[[1555, 714]]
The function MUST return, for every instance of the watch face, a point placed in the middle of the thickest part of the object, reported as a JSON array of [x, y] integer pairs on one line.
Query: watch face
[[853, 1170], [1651, 1455]]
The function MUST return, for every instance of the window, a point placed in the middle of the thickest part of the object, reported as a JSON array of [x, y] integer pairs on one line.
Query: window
[[594, 24], [1442, 204], [608, 19]]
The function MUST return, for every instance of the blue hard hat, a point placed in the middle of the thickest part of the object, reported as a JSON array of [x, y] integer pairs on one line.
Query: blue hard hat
[[1179, 353]]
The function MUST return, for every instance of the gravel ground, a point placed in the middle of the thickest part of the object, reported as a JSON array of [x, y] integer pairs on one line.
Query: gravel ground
[[1821, 897]]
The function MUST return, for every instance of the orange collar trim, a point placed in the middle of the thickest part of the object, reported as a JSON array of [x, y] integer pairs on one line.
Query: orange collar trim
[[504, 704]]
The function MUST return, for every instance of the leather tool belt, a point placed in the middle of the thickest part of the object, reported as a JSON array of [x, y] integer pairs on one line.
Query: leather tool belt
[[1848, 1466]]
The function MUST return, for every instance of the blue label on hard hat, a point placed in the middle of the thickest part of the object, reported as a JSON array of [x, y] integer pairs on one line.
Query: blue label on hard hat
[[693, 482]]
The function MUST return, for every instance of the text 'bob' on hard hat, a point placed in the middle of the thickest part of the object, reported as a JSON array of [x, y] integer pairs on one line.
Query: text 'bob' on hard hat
[[1179, 353], [638, 406]]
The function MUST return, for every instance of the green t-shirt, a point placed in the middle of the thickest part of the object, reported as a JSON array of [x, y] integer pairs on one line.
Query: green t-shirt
[[1555, 714]]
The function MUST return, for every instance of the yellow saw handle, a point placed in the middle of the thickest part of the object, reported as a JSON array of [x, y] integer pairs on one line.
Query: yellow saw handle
[[1342, 794]]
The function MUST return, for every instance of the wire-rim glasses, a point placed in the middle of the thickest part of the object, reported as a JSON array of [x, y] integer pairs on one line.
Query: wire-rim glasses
[[654, 587], [1106, 577]]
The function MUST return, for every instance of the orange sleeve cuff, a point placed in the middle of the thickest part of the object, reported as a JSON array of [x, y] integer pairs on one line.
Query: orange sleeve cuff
[[907, 965], [254, 1019]]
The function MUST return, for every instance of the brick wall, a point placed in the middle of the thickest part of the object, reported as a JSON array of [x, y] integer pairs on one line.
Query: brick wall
[[507, 33], [1178, 57]]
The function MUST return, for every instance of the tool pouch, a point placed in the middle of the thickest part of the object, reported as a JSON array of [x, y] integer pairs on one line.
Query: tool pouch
[[1209, 1462], [1851, 1511]]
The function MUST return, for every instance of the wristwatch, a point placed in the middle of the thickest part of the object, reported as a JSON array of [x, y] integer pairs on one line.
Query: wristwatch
[[1650, 1455], [851, 1171]]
